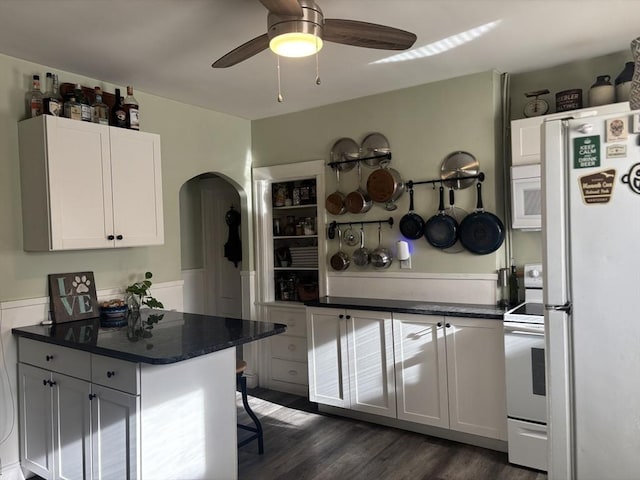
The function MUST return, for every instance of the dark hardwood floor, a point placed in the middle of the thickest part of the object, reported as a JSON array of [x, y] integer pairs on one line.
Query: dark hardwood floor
[[301, 443]]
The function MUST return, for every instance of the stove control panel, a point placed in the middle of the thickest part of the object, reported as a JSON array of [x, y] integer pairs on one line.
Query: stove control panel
[[533, 275]]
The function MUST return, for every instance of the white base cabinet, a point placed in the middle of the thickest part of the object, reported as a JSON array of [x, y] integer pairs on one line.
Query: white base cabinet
[[351, 360], [88, 186], [450, 373]]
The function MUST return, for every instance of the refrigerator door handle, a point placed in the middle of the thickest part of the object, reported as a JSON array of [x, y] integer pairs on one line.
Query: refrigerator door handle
[[566, 308]]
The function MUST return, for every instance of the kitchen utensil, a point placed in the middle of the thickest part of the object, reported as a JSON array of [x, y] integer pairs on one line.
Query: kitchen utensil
[[456, 166], [481, 232], [358, 201], [343, 150], [340, 260], [335, 201], [351, 237], [411, 224], [374, 145], [381, 257], [458, 214], [362, 255], [385, 185], [441, 230]]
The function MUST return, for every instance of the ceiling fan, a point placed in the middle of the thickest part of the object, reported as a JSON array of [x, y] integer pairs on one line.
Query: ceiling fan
[[297, 28]]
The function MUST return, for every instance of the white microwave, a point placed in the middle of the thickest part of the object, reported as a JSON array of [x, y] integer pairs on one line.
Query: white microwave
[[526, 197]]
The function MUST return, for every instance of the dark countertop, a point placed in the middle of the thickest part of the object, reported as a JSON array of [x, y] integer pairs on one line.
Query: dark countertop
[[168, 337], [408, 306]]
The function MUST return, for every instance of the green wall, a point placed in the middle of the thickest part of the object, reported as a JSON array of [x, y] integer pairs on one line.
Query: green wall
[[194, 141], [527, 246], [423, 125]]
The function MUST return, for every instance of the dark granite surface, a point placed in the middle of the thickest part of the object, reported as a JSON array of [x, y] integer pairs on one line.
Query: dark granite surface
[[408, 306], [160, 336]]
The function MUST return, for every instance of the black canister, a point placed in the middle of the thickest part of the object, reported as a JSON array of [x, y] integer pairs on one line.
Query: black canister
[[623, 83], [569, 100]]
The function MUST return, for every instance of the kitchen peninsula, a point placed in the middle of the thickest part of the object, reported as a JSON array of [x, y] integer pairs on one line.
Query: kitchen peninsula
[[152, 400]]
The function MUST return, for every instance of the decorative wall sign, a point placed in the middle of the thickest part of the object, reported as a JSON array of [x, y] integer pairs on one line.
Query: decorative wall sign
[[617, 150], [616, 129], [72, 296], [633, 178], [597, 187], [586, 152]]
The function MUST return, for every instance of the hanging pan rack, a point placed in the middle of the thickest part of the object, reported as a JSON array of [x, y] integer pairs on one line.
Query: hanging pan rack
[[331, 231]]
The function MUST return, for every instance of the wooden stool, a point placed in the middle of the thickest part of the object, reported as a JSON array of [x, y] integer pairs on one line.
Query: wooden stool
[[241, 384]]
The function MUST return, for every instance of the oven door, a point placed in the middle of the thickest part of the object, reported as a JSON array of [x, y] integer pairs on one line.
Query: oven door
[[525, 370]]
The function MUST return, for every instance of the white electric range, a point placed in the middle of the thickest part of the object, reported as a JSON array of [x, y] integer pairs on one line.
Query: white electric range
[[525, 375]]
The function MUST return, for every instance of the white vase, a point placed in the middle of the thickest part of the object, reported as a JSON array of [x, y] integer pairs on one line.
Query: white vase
[[634, 95]]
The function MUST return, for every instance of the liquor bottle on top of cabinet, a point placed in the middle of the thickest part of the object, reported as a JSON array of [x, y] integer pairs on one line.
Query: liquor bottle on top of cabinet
[[85, 108], [133, 110], [51, 99], [100, 110], [34, 98], [73, 109], [118, 112]]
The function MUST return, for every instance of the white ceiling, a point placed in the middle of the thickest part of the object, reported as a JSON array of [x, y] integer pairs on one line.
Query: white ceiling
[[166, 47]]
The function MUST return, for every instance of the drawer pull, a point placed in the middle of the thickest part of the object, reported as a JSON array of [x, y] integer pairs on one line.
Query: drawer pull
[[48, 358], [439, 324], [293, 372], [44, 382], [51, 384], [111, 373], [92, 396], [292, 347]]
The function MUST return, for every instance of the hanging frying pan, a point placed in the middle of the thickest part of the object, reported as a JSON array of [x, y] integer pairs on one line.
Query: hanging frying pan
[[481, 232], [458, 214], [411, 224], [441, 230]]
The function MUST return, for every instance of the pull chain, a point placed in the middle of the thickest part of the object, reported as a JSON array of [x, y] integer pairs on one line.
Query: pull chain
[[280, 97], [317, 64]]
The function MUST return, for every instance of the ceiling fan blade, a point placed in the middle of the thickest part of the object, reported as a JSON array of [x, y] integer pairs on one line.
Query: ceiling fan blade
[[244, 51], [283, 7], [364, 34]]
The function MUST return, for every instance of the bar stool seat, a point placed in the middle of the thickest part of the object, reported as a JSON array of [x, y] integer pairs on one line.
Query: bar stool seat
[[241, 385]]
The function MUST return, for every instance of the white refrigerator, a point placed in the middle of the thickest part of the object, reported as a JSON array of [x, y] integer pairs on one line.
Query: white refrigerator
[[591, 256]]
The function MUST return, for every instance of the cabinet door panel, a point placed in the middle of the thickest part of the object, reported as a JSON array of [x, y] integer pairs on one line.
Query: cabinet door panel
[[137, 188], [476, 377], [328, 363], [421, 369], [35, 420], [79, 184], [371, 372], [115, 417], [71, 427]]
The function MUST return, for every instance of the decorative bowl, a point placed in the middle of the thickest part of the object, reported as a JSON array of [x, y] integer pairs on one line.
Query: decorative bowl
[[113, 309]]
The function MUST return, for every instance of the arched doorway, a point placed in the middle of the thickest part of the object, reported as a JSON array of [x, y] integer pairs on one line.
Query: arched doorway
[[212, 283]]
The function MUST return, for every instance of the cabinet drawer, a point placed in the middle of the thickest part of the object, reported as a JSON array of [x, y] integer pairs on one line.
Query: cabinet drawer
[[289, 348], [115, 373], [69, 361], [287, 371], [295, 320]]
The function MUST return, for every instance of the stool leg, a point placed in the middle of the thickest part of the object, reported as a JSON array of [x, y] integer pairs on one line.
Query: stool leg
[[245, 402]]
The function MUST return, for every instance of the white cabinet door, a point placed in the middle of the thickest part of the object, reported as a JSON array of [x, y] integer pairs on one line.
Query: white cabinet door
[[71, 427], [36, 436], [525, 140], [115, 426], [137, 188], [79, 184], [371, 372], [421, 369], [476, 376], [327, 357]]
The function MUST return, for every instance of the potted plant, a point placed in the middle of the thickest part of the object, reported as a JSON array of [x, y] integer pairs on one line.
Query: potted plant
[[139, 294]]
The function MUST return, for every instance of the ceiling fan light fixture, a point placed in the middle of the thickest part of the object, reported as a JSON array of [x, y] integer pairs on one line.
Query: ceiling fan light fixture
[[295, 44]]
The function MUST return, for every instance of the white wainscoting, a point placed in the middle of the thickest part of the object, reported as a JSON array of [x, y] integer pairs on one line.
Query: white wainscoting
[[21, 313], [425, 287], [193, 292]]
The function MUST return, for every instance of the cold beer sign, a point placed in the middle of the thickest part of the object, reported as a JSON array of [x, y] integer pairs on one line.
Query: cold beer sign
[[72, 296]]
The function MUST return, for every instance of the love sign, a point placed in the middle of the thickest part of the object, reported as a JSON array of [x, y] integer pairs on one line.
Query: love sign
[[72, 296]]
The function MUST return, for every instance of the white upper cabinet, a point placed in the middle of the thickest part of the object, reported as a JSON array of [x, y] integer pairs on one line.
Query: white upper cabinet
[[89, 186]]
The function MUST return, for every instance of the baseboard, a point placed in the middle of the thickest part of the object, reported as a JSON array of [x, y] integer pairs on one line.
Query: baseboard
[[11, 471]]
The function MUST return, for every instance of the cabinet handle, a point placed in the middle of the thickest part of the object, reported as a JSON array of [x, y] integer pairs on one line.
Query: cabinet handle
[[110, 237], [48, 358], [348, 317], [341, 316], [439, 324], [44, 382], [92, 396], [51, 384], [119, 237], [448, 325], [111, 374]]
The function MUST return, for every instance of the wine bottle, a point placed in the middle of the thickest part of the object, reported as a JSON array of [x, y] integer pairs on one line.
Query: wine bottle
[[34, 98], [132, 108], [118, 113]]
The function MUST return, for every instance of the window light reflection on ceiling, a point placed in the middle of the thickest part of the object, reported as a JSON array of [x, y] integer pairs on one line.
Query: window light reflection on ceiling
[[441, 46]]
